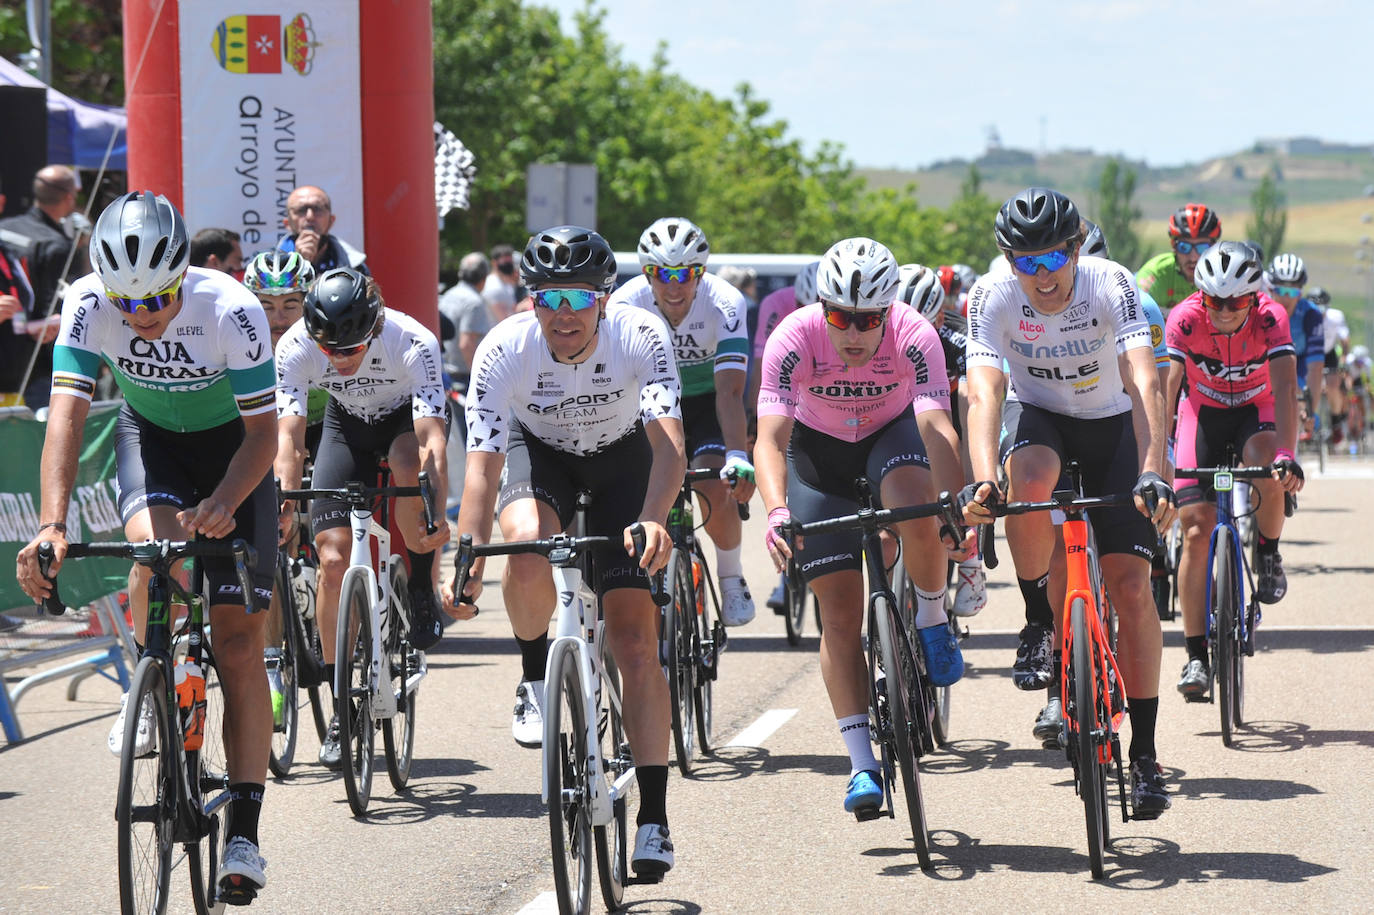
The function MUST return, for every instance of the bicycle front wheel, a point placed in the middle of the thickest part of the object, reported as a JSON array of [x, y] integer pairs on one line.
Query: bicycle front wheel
[[145, 806], [681, 662], [901, 683], [613, 840], [1086, 687], [568, 780], [398, 731], [280, 658], [353, 654], [709, 637], [1228, 652], [209, 769]]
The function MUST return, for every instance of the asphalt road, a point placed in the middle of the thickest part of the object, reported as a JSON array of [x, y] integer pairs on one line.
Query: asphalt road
[[1278, 822]]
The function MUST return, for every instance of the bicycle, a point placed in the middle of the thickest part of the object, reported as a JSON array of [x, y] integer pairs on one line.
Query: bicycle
[[174, 793], [377, 673], [588, 772], [795, 594], [902, 701]]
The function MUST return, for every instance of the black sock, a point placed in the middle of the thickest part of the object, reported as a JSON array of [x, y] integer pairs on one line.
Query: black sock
[[1197, 647], [1265, 546], [329, 676], [653, 795], [245, 805], [421, 568], [1058, 672], [1143, 713], [534, 656], [1036, 592]]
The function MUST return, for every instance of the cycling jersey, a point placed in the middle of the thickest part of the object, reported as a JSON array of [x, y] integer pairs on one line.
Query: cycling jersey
[[1166, 283], [1306, 325], [1065, 363], [401, 364], [580, 408], [805, 379], [1228, 370], [711, 338], [1334, 329], [774, 307], [211, 365]]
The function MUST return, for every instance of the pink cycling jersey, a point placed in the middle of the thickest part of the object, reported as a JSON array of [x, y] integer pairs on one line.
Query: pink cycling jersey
[[804, 377], [1228, 370], [774, 307]]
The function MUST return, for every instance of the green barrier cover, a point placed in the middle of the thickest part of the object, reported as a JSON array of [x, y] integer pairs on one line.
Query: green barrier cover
[[92, 515]]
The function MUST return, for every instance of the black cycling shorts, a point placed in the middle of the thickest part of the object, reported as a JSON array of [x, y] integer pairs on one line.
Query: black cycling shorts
[[617, 477], [701, 426], [157, 466], [821, 471], [1105, 450], [1212, 429]]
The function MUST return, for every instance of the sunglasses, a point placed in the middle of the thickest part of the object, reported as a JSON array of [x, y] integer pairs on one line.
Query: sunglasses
[[674, 274], [1030, 264], [1188, 247], [149, 304], [842, 318], [576, 299], [353, 350], [1288, 292], [1233, 303]]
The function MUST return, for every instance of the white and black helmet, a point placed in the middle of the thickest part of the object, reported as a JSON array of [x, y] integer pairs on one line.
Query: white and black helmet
[[919, 287], [1286, 270], [804, 286], [967, 276], [139, 246], [1228, 269], [673, 242], [858, 273]]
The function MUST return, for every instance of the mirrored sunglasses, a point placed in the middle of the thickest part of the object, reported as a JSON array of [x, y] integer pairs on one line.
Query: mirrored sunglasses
[[1030, 264], [1188, 247], [1288, 292], [576, 299], [842, 318], [1232, 303], [674, 274], [149, 304], [330, 350]]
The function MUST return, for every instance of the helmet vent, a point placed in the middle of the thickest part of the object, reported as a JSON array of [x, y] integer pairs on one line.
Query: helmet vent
[[158, 251]]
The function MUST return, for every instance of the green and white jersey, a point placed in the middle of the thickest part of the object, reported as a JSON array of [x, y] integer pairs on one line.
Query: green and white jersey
[[711, 338], [211, 365]]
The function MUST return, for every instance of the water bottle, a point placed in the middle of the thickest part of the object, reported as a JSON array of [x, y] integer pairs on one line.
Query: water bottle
[[697, 588], [190, 686]]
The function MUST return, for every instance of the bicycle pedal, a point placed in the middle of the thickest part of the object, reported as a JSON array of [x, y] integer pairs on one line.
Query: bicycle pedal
[[643, 880], [866, 813], [237, 895], [1200, 700]]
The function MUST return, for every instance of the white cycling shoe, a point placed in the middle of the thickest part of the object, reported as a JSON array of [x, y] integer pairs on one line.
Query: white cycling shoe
[[972, 593], [736, 604], [146, 741], [653, 854], [527, 721]]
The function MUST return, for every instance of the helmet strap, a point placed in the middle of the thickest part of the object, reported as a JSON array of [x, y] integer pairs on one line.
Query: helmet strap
[[596, 332]]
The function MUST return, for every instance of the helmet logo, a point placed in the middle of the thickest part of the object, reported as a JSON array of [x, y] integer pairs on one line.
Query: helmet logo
[[334, 297]]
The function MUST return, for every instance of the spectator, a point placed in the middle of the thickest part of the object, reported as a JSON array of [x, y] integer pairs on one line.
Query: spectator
[[502, 288], [745, 279], [309, 217], [465, 307], [16, 306], [218, 249]]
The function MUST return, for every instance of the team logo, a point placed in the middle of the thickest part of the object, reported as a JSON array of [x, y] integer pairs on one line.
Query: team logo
[[259, 44]]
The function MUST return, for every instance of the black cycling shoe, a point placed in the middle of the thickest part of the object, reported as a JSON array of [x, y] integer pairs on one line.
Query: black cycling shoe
[[1149, 800], [426, 619], [331, 754], [1273, 583], [1048, 724], [1034, 667]]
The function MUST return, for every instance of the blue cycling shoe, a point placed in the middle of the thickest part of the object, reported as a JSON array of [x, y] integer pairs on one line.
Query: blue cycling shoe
[[864, 796], [944, 660]]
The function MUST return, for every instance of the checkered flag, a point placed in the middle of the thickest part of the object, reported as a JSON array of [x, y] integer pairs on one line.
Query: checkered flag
[[454, 169]]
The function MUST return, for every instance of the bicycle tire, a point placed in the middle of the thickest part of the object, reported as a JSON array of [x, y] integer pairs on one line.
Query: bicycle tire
[[901, 684], [794, 602], [568, 781], [354, 653], [205, 879], [937, 702], [613, 841], [210, 768], [710, 635], [681, 665], [282, 751], [147, 798], [310, 644], [1091, 772], [1226, 635], [398, 732]]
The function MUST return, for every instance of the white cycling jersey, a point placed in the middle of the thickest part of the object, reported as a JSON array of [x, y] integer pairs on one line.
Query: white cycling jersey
[[402, 364], [1065, 363], [1334, 328], [579, 408]]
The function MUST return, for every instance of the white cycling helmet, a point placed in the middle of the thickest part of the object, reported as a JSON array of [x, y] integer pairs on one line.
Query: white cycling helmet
[[673, 242], [804, 286], [1286, 270], [1228, 269], [920, 288], [139, 246], [858, 273]]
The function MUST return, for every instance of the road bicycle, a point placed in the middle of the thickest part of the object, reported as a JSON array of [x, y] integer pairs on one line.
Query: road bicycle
[[795, 597], [173, 794], [588, 772], [377, 672], [902, 701]]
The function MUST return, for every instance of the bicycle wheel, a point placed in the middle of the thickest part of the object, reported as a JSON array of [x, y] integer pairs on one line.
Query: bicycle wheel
[[901, 687], [209, 768], [613, 841], [794, 600], [398, 732], [1085, 689], [1226, 647], [568, 780], [202, 860], [282, 656], [354, 655], [145, 807], [310, 649], [681, 663], [710, 635]]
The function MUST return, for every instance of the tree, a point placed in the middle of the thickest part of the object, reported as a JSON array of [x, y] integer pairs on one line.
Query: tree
[[88, 46], [1117, 214], [1268, 214]]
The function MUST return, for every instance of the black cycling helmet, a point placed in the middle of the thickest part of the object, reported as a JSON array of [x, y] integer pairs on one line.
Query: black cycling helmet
[[1036, 218], [568, 254], [339, 310]]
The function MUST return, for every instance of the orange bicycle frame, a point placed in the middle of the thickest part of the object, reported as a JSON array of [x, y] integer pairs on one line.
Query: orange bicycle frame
[[1079, 584]]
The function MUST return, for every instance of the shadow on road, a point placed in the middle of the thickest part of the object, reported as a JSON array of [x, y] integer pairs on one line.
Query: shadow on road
[[1287, 736], [974, 754], [431, 799], [1239, 789], [30, 736], [1317, 568], [673, 906]]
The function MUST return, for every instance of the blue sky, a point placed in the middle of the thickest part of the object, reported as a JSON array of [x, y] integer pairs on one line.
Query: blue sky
[[903, 83]]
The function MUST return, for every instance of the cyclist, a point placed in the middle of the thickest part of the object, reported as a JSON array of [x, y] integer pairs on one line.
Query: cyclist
[[380, 368], [193, 449], [581, 394], [1232, 348], [1284, 280], [705, 315], [1336, 336], [1168, 277], [852, 387], [1060, 323]]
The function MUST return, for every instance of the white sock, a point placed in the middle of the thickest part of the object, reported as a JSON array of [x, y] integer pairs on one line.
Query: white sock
[[728, 563], [858, 741], [930, 608]]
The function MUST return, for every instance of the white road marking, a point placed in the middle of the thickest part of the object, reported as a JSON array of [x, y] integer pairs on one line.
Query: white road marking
[[759, 731], [543, 904]]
